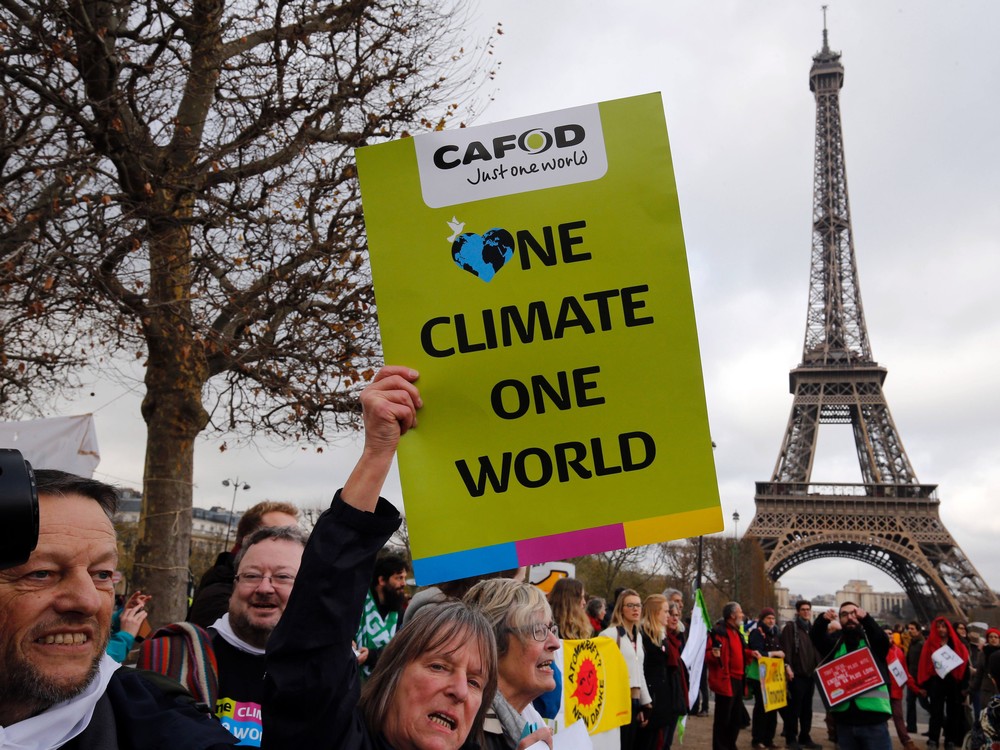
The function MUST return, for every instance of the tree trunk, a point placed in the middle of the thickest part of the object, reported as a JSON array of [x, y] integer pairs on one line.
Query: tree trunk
[[176, 373]]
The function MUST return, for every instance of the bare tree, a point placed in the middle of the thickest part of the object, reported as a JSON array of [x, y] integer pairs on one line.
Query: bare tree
[[177, 185], [680, 564], [400, 540], [634, 567]]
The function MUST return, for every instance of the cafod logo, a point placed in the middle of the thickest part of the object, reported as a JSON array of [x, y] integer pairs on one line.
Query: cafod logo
[[550, 150], [586, 689], [534, 141]]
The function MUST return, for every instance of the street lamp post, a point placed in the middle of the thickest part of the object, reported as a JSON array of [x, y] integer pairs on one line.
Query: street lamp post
[[701, 550], [736, 577], [232, 508], [701, 559]]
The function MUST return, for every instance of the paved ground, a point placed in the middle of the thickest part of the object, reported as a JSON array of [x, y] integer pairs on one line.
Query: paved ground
[[698, 734]]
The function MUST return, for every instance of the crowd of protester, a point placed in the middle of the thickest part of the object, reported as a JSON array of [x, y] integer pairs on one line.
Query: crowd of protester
[[307, 643]]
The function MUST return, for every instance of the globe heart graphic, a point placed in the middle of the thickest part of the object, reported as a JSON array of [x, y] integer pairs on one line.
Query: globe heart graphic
[[485, 255]]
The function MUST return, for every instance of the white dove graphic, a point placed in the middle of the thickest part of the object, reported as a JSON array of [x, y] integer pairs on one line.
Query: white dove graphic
[[456, 227]]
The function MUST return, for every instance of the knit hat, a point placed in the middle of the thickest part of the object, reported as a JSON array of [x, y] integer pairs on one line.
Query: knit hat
[[765, 612]]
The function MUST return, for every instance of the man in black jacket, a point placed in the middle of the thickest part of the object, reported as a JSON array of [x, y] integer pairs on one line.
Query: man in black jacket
[[912, 664], [862, 721], [800, 664], [58, 688]]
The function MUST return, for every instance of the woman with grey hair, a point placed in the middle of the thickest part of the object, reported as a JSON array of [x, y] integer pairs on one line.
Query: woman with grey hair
[[526, 639], [436, 678]]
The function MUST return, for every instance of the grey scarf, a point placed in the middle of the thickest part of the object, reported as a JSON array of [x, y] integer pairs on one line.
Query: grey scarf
[[511, 721]]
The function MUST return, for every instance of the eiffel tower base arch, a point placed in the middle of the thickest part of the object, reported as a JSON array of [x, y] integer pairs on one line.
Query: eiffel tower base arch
[[894, 528]]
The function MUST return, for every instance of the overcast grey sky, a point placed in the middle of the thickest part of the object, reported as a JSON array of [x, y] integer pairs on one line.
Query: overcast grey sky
[[921, 124]]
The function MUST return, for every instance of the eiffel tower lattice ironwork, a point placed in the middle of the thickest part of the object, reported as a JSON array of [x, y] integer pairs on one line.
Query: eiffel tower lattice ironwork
[[889, 520]]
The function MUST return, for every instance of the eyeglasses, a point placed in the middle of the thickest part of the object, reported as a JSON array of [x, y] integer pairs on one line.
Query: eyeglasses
[[632, 605], [253, 580], [539, 630]]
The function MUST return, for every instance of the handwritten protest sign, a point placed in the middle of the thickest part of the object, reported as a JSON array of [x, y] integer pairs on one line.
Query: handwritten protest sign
[[534, 272], [944, 660], [848, 676], [772, 679], [898, 672]]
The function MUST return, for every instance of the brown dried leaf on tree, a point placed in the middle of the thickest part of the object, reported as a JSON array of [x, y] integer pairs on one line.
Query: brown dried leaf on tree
[[197, 129]]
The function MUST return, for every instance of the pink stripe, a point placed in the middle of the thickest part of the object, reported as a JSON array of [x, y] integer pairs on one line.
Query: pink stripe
[[571, 544]]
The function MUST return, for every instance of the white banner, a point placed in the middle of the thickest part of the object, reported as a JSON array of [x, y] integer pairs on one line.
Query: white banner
[[65, 443]]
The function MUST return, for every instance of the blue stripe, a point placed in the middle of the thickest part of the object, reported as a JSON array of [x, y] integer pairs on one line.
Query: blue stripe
[[470, 562]]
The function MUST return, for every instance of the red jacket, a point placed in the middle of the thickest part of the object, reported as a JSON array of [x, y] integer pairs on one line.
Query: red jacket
[[895, 689], [734, 656]]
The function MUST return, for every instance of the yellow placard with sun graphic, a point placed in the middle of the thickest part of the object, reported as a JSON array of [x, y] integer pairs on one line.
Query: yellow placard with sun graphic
[[595, 685], [534, 272], [775, 689]]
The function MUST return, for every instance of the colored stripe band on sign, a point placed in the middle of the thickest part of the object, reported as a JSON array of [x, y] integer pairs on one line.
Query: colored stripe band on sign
[[544, 549], [470, 562], [570, 544]]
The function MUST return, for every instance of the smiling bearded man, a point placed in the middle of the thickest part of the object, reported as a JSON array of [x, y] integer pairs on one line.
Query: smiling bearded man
[[266, 569], [58, 688]]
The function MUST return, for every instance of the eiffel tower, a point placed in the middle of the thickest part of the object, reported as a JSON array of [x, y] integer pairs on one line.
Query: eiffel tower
[[890, 520]]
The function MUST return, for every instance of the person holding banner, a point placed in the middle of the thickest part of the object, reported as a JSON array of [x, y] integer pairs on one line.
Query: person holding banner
[[436, 678], [727, 657], [861, 720], [527, 640], [900, 677], [765, 639], [944, 674]]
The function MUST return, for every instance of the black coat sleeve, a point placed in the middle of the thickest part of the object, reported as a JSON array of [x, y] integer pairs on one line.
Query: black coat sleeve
[[820, 636], [312, 686], [878, 641]]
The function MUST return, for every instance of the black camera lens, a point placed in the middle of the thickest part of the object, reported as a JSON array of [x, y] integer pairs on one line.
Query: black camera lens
[[18, 509]]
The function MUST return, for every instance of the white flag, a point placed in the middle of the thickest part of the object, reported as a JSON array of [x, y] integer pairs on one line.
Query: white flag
[[66, 443], [693, 655]]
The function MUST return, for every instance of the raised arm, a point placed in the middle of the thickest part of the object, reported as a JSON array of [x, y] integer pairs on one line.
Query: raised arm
[[389, 408], [312, 686]]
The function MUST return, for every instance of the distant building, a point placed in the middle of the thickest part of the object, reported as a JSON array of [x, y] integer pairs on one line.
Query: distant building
[[823, 601], [208, 527], [884, 606], [784, 604]]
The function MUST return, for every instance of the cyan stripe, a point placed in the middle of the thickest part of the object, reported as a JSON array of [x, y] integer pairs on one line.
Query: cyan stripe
[[470, 562]]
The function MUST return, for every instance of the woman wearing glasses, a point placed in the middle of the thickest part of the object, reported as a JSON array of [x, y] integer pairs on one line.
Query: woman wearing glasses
[[526, 641], [626, 632], [436, 678]]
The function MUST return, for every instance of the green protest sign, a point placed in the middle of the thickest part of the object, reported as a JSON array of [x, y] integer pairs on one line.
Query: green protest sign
[[534, 272]]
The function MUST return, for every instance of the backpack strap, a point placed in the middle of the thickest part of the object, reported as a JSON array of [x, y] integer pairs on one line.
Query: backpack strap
[[184, 652]]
